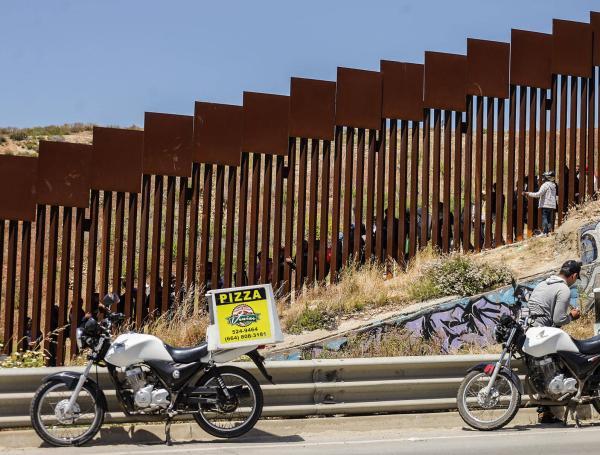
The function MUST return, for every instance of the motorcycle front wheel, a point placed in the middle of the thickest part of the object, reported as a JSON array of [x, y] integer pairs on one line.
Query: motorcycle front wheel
[[60, 428], [233, 417], [487, 410]]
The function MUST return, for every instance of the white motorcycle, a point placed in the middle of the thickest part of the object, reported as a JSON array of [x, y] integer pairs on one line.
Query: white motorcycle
[[561, 371], [149, 377]]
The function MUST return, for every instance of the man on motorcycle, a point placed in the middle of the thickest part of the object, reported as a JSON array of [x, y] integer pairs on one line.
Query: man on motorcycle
[[549, 306]]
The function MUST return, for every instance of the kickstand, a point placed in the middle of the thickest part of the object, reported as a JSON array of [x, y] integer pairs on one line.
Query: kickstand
[[168, 431], [566, 414], [572, 408]]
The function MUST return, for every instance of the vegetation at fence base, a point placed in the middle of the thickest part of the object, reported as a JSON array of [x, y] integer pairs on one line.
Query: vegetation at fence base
[[429, 276], [26, 359], [183, 325]]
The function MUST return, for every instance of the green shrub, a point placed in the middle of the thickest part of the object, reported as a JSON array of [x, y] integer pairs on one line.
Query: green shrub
[[311, 319], [457, 275], [423, 289], [32, 144], [3, 140], [18, 136]]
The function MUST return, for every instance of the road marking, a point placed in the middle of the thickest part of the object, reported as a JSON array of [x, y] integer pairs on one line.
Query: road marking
[[275, 445]]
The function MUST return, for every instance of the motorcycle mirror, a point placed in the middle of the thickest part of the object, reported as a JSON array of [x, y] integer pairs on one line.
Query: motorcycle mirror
[[110, 299]]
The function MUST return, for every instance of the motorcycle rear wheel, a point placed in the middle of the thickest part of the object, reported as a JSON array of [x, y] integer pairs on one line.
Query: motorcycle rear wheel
[[237, 417], [487, 412]]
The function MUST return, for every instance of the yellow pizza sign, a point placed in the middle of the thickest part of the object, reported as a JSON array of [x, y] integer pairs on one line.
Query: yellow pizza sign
[[245, 316]]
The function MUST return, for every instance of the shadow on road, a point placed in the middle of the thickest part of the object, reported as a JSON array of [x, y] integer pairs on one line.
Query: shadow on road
[[125, 435], [254, 436], [537, 426]]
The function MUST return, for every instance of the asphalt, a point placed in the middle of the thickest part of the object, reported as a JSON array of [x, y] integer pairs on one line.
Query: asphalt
[[384, 434]]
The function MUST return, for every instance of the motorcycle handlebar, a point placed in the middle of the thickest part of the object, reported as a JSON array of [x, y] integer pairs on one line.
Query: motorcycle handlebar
[[116, 317]]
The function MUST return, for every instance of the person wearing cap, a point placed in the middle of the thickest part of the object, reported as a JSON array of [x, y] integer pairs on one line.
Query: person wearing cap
[[549, 302], [548, 200], [549, 306]]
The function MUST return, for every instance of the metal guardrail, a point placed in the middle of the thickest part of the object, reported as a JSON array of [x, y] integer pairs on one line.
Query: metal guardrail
[[303, 388]]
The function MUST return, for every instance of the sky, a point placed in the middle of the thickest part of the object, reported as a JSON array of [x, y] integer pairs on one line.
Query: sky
[[108, 61]]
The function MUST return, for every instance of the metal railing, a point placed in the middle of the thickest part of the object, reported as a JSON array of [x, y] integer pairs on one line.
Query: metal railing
[[303, 388]]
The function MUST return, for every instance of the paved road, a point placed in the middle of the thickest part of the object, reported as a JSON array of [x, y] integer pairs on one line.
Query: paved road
[[365, 435]]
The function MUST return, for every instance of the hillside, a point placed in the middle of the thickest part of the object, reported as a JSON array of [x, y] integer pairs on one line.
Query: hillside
[[25, 141], [312, 317]]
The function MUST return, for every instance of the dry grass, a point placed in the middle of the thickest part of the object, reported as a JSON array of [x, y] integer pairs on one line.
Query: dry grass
[[320, 305], [582, 328], [397, 342], [184, 325]]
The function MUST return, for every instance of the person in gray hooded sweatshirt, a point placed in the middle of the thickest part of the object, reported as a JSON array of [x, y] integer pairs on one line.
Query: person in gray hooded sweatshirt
[[549, 301], [549, 306], [548, 200]]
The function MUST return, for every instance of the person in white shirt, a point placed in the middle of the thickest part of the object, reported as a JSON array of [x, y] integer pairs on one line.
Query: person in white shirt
[[548, 200]]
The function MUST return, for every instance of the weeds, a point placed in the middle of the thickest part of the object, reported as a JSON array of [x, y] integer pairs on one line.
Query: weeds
[[311, 319], [393, 343], [582, 328], [183, 325], [32, 145], [457, 274], [320, 306], [33, 358], [26, 359], [397, 342]]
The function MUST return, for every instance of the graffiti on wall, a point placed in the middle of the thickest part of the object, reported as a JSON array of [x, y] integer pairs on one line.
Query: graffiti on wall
[[472, 319], [469, 320]]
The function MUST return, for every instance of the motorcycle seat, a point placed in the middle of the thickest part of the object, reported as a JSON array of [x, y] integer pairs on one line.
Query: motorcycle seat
[[187, 355], [589, 346]]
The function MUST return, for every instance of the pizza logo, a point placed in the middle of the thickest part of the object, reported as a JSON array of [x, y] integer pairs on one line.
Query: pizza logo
[[242, 316]]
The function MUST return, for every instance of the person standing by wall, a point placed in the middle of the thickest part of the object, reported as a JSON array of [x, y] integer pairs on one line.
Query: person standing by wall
[[547, 195]]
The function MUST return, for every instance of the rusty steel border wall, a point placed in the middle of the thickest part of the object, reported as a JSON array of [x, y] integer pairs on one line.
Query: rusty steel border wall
[[289, 189]]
